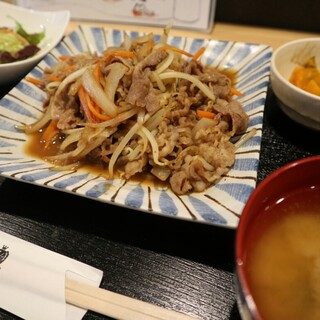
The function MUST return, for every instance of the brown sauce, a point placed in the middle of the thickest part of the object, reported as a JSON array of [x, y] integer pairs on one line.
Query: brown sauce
[[35, 148]]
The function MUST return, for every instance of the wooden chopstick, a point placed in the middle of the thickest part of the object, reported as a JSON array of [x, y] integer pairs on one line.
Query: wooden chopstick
[[116, 305]]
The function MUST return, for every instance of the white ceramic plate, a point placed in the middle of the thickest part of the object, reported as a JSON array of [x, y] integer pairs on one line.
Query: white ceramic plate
[[54, 24], [219, 205]]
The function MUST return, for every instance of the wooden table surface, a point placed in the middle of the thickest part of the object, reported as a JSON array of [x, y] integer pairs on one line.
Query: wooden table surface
[[220, 31], [184, 266]]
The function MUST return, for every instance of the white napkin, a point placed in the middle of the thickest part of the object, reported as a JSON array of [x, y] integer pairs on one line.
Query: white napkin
[[32, 280]]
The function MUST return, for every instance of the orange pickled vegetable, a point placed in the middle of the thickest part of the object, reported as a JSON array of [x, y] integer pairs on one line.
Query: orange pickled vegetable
[[307, 77]]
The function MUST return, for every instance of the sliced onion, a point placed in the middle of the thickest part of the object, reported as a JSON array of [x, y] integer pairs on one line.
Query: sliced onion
[[116, 120], [127, 41], [203, 124], [155, 78], [97, 94], [161, 172], [121, 146], [96, 141], [245, 138], [36, 126], [165, 33], [70, 139], [116, 72], [155, 120], [164, 65], [154, 147], [140, 149], [66, 81], [176, 74], [205, 163]]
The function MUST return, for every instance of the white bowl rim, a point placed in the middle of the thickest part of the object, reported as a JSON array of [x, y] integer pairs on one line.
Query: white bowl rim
[[43, 51], [281, 77]]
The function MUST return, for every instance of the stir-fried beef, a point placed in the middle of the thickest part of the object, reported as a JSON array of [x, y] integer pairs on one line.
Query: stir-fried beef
[[162, 128], [141, 92]]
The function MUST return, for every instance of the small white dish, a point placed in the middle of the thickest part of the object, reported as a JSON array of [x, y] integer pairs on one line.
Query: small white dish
[[54, 24], [299, 105]]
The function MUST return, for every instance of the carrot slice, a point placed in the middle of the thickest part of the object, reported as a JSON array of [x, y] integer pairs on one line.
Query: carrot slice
[[94, 108], [97, 73], [50, 133], [53, 78], [33, 80], [198, 54], [91, 109], [205, 114], [64, 58], [117, 53], [236, 92], [168, 47], [68, 68], [83, 100]]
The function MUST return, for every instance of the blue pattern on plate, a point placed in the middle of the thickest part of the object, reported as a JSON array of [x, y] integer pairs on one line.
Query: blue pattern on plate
[[255, 120], [29, 90], [8, 159], [7, 126], [254, 76], [8, 104], [157, 37], [5, 144], [134, 34], [18, 167], [135, 197], [256, 64], [64, 184], [238, 56], [50, 60], [167, 204], [62, 49], [216, 50], [254, 104], [207, 212], [76, 40], [98, 190], [36, 73], [196, 45], [232, 189], [40, 175], [100, 42], [175, 41], [250, 61], [246, 164], [257, 88], [117, 37]]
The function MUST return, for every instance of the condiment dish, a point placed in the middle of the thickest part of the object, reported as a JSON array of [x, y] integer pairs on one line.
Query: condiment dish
[[52, 23], [300, 105], [277, 247]]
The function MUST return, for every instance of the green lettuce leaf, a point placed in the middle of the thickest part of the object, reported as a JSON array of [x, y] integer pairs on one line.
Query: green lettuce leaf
[[32, 38]]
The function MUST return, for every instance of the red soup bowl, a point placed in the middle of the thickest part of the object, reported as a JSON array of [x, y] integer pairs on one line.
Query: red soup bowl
[[277, 249]]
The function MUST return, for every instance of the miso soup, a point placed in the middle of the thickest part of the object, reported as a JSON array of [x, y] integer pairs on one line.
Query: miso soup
[[283, 260]]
